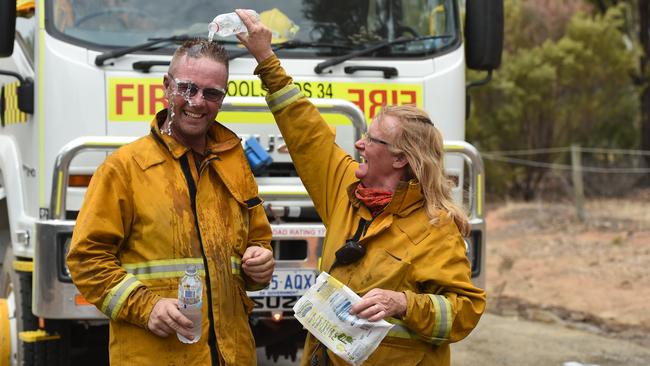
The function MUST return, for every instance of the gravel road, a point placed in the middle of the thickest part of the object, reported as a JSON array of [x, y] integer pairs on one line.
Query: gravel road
[[510, 341]]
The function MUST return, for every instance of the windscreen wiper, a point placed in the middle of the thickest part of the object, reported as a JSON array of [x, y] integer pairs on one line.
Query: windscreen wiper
[[366, 51], [101, 58], [294, 44]]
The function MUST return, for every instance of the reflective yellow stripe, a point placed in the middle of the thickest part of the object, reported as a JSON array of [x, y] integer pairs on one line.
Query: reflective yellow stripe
[[41, 109], [163, 268], [57, 210], [235, 265], [115, 298], [479, 193], [115, 309], [442, 327], [283, 97]]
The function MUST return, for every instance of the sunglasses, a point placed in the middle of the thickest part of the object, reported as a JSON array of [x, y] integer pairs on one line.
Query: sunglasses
[[188, 89]]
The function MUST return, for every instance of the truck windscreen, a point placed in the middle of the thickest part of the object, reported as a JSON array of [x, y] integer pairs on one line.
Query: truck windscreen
[[103, 24]]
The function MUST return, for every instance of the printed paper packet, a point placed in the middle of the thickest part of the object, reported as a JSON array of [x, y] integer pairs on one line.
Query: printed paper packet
[[324, 310]]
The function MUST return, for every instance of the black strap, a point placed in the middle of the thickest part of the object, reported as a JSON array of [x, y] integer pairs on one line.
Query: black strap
[[318, 361], [361, 229], [363, 225], [253, 202], [212, 335]]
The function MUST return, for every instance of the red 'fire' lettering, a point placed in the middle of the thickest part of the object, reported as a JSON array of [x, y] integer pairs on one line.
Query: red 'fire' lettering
[[411, 94], [156, 96], [140, 99], [120, 98], [360, 100], [377, 99]]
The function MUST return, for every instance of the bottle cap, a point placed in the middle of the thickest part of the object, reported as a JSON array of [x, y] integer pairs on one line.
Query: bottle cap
[[190, 269]]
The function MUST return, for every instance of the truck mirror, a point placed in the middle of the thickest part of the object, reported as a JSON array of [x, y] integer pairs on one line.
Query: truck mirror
[[25, 94], [483, 34], [7, 27]]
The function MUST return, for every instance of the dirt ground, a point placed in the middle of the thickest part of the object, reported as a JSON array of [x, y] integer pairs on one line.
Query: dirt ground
[[562, 290], [513, 341]]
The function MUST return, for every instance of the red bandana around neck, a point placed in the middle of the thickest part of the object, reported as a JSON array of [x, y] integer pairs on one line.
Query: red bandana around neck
[[374, 198]]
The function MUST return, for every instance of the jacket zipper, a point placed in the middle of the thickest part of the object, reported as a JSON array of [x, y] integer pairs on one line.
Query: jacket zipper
[[212, 337]]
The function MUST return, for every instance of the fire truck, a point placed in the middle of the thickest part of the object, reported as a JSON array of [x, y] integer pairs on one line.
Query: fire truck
[[80, 78]]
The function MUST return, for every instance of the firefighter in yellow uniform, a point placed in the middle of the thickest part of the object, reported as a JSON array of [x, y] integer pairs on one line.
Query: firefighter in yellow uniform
[[182, 195], [409, 262]]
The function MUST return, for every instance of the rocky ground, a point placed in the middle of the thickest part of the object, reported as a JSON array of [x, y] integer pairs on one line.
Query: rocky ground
[[563, 290]]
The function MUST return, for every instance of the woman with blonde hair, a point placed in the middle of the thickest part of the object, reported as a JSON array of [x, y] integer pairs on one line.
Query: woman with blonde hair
[[393, 234], [422, 144]]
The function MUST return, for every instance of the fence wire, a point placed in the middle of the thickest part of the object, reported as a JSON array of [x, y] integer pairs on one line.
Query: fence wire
[[506, 156]]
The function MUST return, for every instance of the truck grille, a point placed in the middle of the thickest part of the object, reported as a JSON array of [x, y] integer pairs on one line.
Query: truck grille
[[290, 249]]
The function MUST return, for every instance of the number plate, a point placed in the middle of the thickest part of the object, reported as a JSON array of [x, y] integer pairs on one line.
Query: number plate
[[288, 282], [270, 303]]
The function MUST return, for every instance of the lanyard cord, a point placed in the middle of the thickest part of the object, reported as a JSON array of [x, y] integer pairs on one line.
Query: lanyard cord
[[361, 229]]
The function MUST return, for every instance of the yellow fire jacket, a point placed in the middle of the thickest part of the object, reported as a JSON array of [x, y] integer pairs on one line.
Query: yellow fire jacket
[[150, 210], [403, 251]]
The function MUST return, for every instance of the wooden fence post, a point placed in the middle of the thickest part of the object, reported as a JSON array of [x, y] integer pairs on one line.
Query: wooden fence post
[[576, 174]]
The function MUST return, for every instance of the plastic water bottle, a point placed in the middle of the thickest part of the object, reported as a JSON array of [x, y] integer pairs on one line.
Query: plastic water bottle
[[190, 301], [225, 25]]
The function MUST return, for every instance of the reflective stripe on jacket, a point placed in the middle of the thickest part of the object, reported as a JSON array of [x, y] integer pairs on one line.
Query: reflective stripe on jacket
[[403, 251], [136, 232]]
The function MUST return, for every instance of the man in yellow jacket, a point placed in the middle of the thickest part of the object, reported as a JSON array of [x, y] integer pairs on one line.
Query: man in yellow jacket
[[393, 232], [183, 195]]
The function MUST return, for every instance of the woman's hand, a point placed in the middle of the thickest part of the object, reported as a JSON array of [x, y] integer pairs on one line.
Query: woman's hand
[[258, 38], [378, 304]]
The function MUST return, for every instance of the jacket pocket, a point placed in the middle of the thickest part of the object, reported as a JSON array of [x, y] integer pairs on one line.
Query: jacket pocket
[[248, 303], [380, 269]]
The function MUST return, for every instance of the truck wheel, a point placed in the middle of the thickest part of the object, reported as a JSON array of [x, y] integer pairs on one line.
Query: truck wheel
[[16, 291], [15, 288]]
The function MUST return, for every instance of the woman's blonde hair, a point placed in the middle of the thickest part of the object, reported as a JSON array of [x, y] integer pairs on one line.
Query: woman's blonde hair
[[422, 145]]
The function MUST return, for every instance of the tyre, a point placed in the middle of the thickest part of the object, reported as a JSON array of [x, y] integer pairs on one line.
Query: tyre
[[16, 289]]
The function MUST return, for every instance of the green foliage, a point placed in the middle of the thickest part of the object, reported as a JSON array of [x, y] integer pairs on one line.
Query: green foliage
[[562, 81]]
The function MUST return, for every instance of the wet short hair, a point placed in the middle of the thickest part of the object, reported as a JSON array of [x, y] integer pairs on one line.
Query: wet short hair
[[199, 48]]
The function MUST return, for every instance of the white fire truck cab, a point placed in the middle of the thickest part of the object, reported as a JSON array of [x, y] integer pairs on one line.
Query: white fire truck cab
[[79, 78]]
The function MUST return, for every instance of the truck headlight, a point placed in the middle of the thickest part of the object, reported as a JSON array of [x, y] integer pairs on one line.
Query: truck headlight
[[473, 247], [63, 241]]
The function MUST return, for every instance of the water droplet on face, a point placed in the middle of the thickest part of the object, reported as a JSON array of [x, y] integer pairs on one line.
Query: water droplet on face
[[172, 114]]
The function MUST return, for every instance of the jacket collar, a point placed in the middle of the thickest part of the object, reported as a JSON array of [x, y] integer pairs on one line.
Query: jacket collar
[[407, 198], [220, 138]]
